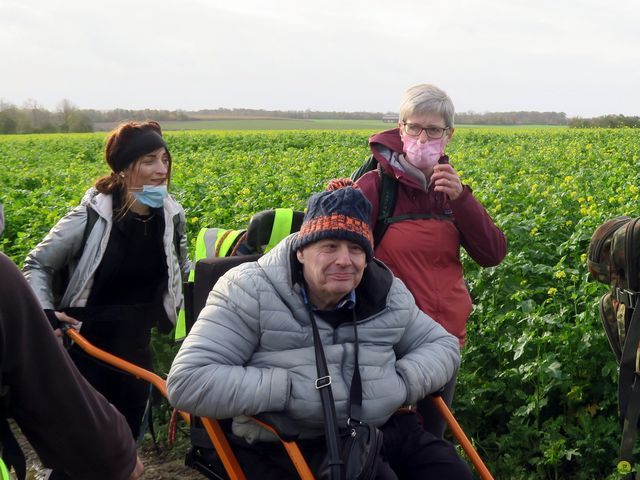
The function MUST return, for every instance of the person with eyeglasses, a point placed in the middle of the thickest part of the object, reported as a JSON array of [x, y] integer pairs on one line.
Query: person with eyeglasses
[[434, 214]]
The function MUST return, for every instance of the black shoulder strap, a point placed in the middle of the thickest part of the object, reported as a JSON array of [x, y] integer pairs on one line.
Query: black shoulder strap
[[92, 218], [387, 193], [629, 389], [629, 378], [176, 235], [323, 385], [368, 165]]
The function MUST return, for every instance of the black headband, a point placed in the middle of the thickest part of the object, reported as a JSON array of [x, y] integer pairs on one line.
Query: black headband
[[145, 142]]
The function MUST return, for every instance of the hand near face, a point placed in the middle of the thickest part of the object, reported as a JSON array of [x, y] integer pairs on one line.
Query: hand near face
[[446, 180]]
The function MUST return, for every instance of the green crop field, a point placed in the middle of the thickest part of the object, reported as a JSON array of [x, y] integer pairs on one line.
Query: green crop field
[[537, 386]]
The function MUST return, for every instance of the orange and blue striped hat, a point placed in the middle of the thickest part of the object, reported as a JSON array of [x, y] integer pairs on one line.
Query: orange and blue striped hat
[[341, 212]]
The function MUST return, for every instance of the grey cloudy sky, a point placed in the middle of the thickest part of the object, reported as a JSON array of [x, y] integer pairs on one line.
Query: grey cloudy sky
[[579, 57]]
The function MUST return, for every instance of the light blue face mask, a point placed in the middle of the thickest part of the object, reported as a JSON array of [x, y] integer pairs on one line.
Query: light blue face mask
[[152, 195]]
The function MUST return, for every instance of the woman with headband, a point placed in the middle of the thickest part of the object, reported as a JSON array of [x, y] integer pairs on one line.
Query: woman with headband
[[123, 252]]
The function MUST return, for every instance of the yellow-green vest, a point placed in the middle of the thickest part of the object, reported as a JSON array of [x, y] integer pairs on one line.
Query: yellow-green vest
[[218, 242]]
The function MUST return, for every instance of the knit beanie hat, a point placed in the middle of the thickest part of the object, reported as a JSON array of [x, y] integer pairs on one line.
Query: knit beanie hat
[[341, 212]]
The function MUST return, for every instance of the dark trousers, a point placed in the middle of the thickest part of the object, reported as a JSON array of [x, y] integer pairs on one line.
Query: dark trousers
[[410, 453], [127, 393], [125, 331], [415, 454], [432, 421]]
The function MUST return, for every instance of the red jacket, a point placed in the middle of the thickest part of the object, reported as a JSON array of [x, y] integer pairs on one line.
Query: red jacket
[[425, 253]]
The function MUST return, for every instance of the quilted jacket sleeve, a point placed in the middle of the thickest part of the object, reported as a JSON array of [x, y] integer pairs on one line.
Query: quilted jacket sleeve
[[480, 236], [208, 376], [54, 252], [183, 246]]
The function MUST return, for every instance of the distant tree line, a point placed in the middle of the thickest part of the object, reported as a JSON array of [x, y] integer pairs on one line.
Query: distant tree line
[[295, 114], [120, 114], [32, 118], [605, 121], [512, 118]]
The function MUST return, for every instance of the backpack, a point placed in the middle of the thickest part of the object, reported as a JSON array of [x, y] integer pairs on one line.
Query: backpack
[[387, 195], [264, 231], [614, 259]]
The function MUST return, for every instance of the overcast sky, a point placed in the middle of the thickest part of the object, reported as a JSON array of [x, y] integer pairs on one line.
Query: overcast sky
[[578, 57]]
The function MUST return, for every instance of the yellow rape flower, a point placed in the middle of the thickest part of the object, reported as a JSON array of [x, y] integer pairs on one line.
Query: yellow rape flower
[[560, 274], [552, 291]]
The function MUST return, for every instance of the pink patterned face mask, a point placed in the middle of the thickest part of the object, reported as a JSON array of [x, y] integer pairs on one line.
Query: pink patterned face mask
[[423, 155]]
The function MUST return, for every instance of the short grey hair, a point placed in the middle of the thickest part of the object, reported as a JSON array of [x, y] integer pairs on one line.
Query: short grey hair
[[424, 99]]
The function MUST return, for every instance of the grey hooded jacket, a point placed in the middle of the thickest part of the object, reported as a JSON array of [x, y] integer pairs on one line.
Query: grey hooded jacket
[[251, 350], [63, 243]]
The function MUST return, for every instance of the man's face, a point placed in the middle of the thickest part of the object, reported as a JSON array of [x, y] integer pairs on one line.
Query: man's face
[[331, 268]]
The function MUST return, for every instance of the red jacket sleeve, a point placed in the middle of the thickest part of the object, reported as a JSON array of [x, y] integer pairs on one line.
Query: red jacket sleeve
[[479, 236], [71, 426]]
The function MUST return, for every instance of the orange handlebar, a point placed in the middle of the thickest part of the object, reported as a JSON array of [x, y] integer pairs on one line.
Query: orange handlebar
[[462, 438], [211, 426], [129, 367]]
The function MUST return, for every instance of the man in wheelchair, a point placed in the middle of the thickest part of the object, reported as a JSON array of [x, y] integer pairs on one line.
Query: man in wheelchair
[[252, 348]]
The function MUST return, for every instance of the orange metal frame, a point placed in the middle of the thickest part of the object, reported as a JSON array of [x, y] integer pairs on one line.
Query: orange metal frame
[[219, 439], [466, 445]]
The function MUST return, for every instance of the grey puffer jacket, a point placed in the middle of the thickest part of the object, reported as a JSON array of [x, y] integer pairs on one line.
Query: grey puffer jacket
[[251, 350], [63, 243]]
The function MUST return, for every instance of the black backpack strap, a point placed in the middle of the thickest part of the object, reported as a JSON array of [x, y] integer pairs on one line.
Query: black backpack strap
[[629, 389], [418, 216], [387, 194], [629, 377], [368, 165]]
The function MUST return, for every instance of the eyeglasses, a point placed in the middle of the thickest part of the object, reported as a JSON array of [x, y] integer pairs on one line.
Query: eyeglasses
[[414, 130]]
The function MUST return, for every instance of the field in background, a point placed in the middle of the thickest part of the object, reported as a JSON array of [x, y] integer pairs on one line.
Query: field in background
[[293, 124], [537, 386]]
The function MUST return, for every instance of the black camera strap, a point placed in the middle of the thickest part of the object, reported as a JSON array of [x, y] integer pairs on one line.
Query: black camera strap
[[323, 384]]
